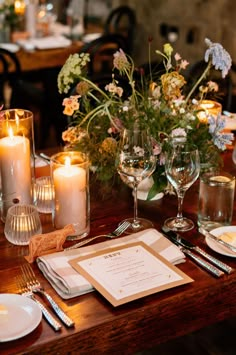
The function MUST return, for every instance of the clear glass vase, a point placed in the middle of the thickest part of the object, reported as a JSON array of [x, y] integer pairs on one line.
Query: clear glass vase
[[16, 158]]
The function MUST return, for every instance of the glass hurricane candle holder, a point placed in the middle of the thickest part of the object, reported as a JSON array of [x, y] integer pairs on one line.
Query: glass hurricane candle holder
[[44, 194], [22, 222], [70, 175], [209, 108], [16, 157]]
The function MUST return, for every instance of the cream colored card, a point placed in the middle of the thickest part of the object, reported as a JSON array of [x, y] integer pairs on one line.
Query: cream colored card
[[126, 273]]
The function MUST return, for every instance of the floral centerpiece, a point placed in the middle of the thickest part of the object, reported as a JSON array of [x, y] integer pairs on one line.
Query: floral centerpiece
[[8, 17], [97, 115]]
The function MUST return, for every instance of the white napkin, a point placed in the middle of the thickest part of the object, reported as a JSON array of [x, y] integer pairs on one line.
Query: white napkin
[[69, 283], [49, 42]]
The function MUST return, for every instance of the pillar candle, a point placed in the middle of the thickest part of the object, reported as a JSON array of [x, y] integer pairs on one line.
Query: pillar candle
[[16, 168], [70, 196]]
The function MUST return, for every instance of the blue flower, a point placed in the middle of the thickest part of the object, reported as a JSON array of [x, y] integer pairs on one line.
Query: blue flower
[[220, 139], [219, 56]]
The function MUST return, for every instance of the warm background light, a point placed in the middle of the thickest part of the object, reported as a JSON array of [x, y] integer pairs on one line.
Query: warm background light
[[19, 7]]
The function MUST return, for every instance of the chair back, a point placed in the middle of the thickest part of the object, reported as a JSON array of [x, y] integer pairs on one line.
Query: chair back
[[122, 20], [101, 52], [10, 72]]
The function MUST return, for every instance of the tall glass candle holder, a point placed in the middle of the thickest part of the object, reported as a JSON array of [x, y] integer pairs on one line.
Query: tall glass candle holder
[[70, 175], [209, 108], [16, 158]]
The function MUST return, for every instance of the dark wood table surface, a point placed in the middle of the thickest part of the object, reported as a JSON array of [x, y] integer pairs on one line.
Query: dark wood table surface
[[141, 324]]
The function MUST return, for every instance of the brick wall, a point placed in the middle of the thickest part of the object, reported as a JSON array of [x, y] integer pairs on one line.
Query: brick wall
[[186, 22]]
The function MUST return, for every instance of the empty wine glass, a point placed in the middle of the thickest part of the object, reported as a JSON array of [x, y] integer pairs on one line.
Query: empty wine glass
[[182, 168], [135, 162]]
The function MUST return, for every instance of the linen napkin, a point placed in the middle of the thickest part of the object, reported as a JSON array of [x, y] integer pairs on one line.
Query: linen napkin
[[49, 42], [68, 283]]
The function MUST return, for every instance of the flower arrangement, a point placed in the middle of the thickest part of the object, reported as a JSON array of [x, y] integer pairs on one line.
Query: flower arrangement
[[158, 101], [8, 17]]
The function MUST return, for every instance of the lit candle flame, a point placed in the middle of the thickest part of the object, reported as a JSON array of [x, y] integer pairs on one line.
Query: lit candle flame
[[67, 161], [19, 7], [10, 133]]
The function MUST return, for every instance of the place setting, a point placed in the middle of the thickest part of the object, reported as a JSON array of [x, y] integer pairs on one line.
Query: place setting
[[75, 270]]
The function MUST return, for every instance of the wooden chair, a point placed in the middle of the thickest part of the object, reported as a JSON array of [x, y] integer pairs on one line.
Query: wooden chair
[[101, 52], [122, 20]]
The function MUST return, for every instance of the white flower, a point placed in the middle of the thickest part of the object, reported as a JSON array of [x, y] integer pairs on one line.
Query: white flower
[[71, 70], [139, 151], [220, 57], [178, 132]]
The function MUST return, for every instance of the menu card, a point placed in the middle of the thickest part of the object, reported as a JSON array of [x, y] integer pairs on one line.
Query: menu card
[[128, 272]]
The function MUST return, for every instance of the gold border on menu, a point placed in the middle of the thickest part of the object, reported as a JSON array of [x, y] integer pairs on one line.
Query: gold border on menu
[[76, 264]]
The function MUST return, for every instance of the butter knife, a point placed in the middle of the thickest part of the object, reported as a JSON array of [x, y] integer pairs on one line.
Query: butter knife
[[218, 240], [179, 240]]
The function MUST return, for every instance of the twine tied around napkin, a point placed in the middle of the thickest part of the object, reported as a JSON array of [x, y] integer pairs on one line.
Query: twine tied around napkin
[[68, 283]]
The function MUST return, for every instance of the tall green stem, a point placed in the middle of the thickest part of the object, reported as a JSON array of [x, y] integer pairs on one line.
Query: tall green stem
[[199, 81]]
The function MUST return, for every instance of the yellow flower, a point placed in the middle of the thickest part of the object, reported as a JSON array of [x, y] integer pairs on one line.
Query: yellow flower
[[71, 105], [172, 84], [109, 145], [168, 49]]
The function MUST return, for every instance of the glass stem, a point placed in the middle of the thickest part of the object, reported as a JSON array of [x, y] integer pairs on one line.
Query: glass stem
[[135, 193], [180, 205]]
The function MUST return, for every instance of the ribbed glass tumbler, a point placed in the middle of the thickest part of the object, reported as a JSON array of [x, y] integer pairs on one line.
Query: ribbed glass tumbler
[[22, 222]]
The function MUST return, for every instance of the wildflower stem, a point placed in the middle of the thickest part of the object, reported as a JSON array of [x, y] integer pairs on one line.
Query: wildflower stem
[[199, 80], [149, 62], [96, 87]]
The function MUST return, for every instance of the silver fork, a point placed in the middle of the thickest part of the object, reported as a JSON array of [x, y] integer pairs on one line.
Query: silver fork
[[35, 286], [25, 291], [116, 233]]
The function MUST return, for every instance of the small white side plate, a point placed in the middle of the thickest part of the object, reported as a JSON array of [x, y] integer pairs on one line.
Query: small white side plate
[[218, 247], [23, 316], [11, 47], [230, 122]]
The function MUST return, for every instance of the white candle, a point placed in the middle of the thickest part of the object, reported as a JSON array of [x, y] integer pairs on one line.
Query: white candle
[[16, 168], [70, 196]]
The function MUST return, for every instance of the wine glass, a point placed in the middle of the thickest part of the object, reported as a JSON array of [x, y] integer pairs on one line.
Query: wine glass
[[182, 169], [135, 162]]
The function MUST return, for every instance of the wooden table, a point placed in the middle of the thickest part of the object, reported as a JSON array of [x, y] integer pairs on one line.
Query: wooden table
[[46, 58], [51, 58], [101, 328]]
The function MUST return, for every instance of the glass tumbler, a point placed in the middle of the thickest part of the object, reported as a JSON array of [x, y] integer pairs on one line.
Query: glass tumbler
[[70, 175], [22, 222], [216, 199], [44, 194]]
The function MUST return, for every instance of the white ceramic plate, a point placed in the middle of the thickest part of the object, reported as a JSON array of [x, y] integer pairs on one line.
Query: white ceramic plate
[[23, 316], [218, 247]]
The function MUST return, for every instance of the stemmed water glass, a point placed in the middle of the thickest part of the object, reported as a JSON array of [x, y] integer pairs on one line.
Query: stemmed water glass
[[182, 167], [135, 162]]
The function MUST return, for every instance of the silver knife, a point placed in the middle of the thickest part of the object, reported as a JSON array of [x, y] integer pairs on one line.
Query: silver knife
[[218, 240], [179, 240]]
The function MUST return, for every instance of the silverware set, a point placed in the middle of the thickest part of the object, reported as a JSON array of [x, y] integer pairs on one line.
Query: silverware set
[[208, 262], [28, 286]]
